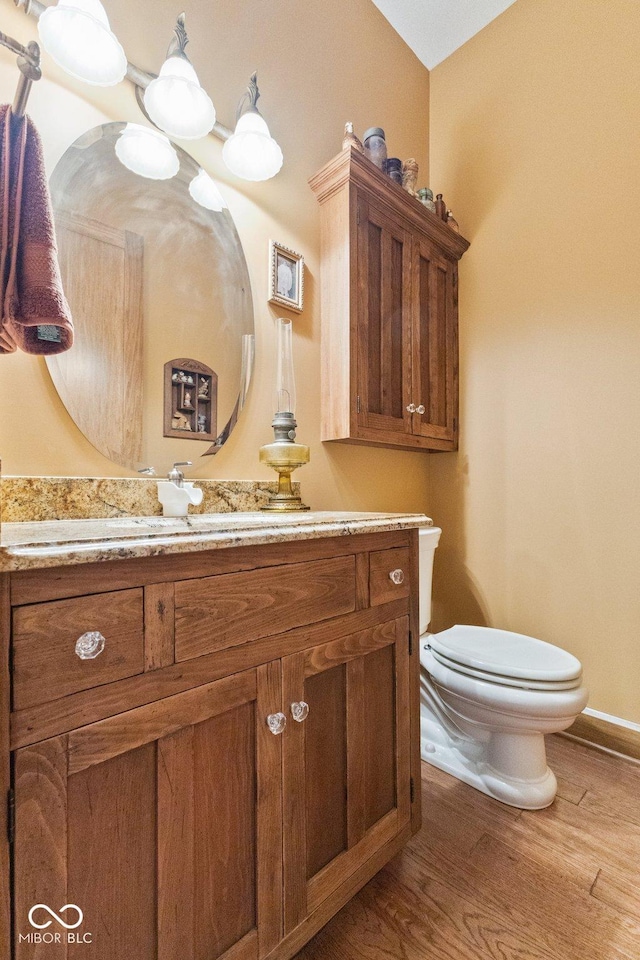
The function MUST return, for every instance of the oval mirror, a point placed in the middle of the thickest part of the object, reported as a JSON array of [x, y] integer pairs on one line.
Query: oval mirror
[[159, 292]]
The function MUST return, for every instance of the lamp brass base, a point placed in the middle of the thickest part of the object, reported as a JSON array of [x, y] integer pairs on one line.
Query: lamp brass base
[[284, 456]]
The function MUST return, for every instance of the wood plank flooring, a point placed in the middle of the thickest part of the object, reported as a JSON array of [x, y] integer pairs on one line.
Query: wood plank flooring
[[482, 881]]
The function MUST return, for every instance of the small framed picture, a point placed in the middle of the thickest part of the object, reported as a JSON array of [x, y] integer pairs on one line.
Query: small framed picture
[[286, 277]]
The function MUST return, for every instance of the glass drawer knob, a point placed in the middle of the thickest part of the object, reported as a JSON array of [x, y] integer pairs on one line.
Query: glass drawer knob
[[396, 576], [421, 408], [90, 645], [411, 408], [276, 722], [300, 711]]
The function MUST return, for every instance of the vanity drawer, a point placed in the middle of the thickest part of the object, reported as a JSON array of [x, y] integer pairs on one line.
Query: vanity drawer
[[222, 611], [46, 665], [388, 575]]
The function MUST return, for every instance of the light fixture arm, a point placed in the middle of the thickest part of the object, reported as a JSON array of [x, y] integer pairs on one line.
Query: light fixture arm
[[179, 41], [249, 99]]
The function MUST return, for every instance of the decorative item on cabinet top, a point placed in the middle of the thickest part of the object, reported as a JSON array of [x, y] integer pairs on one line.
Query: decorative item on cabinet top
[[389, 374]]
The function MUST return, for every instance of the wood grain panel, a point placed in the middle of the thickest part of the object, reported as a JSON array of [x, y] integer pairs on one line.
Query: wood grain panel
[[159, 622], [294, 775], [102, 275], [46, 666], [48, 720], [108, 738], [381, 564], [270, 811], [379, 711], [411, 631], [219, 612], [112, 853], [355, 798], [175, 883], [224, 789], [31, 586], [325, 748], [347, 648], [41, 841], [5, 766]]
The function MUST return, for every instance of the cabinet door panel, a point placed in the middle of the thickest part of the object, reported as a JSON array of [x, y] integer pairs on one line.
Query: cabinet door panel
[[346, 767], [384, 322], [170, 840], [435, 344]]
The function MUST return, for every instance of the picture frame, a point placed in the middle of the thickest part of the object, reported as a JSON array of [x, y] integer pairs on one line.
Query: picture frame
[[286, 277]]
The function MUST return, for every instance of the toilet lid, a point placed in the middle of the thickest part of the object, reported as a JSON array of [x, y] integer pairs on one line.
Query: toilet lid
[[500, 653]]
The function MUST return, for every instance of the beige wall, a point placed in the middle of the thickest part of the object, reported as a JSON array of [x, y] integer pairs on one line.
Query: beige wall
[[535, 143], [319, 63]]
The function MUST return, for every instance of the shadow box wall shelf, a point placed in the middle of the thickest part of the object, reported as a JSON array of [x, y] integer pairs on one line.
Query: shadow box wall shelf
[[389, 312], [190, 400]]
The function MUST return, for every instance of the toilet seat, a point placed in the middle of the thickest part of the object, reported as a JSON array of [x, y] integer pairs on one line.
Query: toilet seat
[[505, 658]]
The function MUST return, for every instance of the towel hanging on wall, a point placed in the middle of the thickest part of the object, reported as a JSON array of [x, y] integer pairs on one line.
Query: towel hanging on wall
[[35, 315]]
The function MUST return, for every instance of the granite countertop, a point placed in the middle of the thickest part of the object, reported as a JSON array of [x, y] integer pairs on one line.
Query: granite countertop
[[55, 543]]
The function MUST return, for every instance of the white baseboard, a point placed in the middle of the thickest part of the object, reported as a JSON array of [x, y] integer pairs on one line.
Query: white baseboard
[[628, 724]]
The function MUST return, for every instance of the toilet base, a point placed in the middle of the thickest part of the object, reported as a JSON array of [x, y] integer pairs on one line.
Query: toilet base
[[525, 794]]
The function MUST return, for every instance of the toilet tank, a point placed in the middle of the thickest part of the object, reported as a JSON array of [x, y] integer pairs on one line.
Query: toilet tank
[[428, 541]]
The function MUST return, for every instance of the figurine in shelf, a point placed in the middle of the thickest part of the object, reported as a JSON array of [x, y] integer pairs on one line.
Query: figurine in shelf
[[176, 377], [350, 139], [202, 423], [180, 422], [203, 392], [410, 175], [187, 399]]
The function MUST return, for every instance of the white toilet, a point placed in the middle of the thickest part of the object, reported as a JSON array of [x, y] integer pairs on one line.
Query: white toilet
[[488, 697]]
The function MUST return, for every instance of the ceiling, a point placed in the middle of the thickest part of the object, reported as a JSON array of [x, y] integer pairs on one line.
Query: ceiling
[[435, 28]]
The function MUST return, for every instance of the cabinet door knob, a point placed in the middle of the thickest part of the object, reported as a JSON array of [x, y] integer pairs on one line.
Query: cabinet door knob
[[300, 711], [396, 576], [276, 722], [90, 645], [411, 408], [421, 408]]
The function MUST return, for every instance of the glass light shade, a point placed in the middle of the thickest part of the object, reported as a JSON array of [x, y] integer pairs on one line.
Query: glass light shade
[[76, 34], [176, 102], [205, 192], [147, 153], [252, 153], [285, 394]]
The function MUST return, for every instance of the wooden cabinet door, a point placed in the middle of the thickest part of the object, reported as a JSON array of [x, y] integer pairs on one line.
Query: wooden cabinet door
[[435, 344], [346, 773], [383, 360], [163, 825]]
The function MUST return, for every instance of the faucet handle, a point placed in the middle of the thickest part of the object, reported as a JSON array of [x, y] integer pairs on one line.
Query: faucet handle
[[148, 471], [177, 476]]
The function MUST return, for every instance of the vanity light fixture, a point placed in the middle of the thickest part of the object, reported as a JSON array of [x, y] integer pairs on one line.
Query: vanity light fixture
[[175, 101], [284, 454], [251, 152], [204, 191], [76, 34], [147, 152]]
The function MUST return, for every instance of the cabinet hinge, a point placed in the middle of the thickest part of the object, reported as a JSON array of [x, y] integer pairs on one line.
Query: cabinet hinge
[[412, 790], [357, 404], [11, 816], [410, 643]]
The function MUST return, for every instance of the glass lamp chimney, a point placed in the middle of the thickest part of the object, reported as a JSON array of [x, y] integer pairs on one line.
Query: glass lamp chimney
[[285, 394]]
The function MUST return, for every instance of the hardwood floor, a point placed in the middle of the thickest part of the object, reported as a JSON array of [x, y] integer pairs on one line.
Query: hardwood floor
[[482, 881]]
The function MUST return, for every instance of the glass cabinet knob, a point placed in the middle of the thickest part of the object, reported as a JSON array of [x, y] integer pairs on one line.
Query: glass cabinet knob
[[396, 576], [421, 408], [276, 722], [300, 711], [90, 645], [411, 408]]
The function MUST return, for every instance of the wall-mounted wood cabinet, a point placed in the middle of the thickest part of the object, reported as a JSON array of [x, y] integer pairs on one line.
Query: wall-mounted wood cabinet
[[389, 312]]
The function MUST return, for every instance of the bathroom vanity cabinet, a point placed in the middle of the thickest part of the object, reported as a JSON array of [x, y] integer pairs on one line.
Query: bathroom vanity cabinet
[[235, 763], [389, 312]]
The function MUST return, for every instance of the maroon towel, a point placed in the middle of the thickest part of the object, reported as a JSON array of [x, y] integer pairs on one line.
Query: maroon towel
[[35, 314]]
